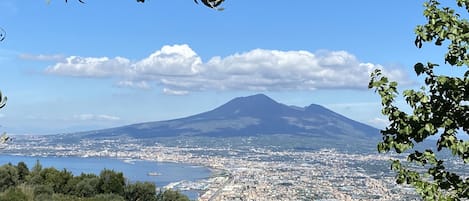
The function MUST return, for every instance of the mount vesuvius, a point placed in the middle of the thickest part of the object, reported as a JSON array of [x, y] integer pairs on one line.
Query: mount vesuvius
[[248, 116]]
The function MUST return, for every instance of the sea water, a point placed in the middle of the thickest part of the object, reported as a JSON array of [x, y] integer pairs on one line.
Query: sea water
[[134, 170]]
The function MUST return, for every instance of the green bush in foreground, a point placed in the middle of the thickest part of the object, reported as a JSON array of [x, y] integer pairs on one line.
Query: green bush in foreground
[[18, 183]]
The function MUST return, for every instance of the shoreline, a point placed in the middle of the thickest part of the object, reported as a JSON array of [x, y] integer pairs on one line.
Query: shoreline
[[213, 172]]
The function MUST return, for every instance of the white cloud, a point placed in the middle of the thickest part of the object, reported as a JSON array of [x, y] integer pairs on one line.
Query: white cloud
[[98, 117], [42, 57], [379, 122], [179, 70], [91, 67], [174, 92], [177, 60], [134, 84]]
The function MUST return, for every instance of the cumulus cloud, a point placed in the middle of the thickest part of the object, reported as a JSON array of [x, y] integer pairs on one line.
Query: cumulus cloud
[[178, 70], [99, 117], [177, 60]]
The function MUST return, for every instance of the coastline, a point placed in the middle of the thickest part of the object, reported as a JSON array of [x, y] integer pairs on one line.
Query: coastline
[[192, 193], [245, 172]]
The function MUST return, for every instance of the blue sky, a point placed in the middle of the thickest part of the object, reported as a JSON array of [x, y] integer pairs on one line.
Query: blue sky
[[71, 67]]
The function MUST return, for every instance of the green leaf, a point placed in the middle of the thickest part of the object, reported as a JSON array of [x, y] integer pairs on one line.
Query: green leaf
[[419, 68], [429, 127]]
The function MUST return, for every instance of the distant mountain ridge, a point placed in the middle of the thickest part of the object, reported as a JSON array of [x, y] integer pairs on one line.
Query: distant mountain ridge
[[248, 116]]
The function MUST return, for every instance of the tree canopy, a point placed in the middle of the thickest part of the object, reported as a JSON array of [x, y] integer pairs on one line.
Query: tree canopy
[[439, 108], [49, 184]]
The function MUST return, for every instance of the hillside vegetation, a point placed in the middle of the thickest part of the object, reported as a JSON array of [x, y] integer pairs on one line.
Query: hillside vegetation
[[19, 183]]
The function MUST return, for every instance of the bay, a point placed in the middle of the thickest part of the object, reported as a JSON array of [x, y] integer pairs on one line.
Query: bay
[[134, 170]]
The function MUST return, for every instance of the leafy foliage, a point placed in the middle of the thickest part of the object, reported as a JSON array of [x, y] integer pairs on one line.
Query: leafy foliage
[[14, 194], [81, 1], [170, 195], [87, 187], [111, 182], [23, 171], [3, 101], [209, 3], [2, 34], [441, 108], [43, 192], [50, 184], [8, 176], [140, 191]]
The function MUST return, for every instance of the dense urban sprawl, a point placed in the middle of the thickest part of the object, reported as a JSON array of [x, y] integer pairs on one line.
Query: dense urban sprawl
[[250, 174]]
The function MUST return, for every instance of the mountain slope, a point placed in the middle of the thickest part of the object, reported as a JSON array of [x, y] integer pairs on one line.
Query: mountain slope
[[249, 116]]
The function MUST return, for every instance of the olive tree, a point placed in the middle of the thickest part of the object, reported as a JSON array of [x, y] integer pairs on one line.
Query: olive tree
[[440, 108]]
